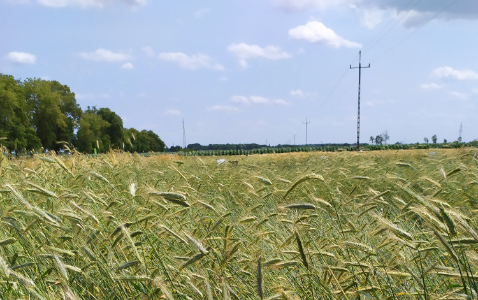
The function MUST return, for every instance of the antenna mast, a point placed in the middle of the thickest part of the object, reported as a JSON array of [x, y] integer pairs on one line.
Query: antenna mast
[[184, 136], [461, 131], [305, 131], [358, 112]]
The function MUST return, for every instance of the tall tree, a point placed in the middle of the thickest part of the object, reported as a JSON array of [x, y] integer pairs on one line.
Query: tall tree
[[44, 109], [14, 123], [434, 139], [129, 136], [385, 136], [69, 108], [115, 130], [92, 133]]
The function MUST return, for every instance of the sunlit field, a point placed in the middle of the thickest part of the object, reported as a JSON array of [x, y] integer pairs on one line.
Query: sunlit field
[[396, 224]]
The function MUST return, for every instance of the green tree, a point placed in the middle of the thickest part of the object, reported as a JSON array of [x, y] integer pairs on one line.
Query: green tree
[[142, 141], [115, 130], [129, 136], [69, 108], [434, 139], [44, 111], [14, 123], [92, 133]]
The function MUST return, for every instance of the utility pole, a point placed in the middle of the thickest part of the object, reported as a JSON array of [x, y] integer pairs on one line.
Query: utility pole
[[358, 113], [306, 123], [184, 136], [460, 133]]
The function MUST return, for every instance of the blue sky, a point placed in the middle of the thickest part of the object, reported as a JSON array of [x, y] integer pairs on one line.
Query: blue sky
[[253, 71]]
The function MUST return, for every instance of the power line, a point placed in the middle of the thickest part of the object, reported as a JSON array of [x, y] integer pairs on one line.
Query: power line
[[423, 25], [390, 29]]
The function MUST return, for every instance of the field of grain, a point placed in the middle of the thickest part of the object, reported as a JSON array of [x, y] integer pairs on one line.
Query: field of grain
[[349, 225]]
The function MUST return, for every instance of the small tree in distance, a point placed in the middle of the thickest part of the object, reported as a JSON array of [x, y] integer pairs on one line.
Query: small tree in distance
[[434, 139], [426, 140], [385, 136], [372, 139]]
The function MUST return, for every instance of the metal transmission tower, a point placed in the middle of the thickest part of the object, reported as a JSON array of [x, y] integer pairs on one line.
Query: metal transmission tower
[[358, 113], [306, 123], [461, 131], [184, 136]]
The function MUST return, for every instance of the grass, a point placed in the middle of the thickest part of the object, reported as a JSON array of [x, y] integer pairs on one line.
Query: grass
[[344, 225]]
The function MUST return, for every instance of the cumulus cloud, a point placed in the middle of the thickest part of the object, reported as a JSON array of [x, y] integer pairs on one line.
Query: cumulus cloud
[[448, 73], [316, 32], [251, 100], [300, 93], [21, 58], [191, 62], [172, 112], [127, 66], [88, 3], [459, 95], [105, 55], [244, 52], [148, 51], [431, 86], [225, 108]]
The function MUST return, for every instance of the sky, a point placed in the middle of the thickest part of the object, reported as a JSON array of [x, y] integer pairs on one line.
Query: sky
[[256, 71]]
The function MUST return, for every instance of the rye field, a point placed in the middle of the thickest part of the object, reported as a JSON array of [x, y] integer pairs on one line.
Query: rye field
[[349, 225]]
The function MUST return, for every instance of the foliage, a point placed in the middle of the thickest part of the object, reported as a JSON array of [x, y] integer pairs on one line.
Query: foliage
[[92, 133], [40, 113]]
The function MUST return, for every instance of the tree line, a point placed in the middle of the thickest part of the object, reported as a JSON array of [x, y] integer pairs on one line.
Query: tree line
[[37, 113]]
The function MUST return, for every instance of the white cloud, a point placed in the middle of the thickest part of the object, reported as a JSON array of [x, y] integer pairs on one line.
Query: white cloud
[[451, 74], [300, 5], [127, 66], [300, 93], [148, 51], [21, 58], [88, 3], [297, 93], [426, 10], [226, 108], [250, 100], [202, 12], [316, 32], [459, 95], [105, 55], [245, 52], [431, 86], [191, 62], [172, 112], [371, 18]]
